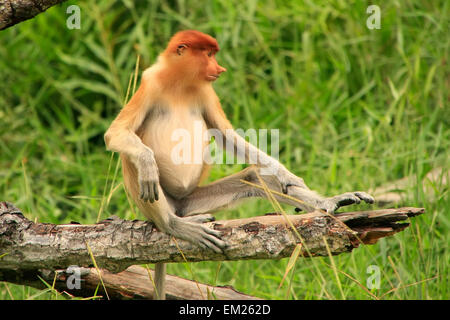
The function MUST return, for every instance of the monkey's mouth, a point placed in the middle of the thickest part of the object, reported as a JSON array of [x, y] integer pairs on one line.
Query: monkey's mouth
[[212, 77]]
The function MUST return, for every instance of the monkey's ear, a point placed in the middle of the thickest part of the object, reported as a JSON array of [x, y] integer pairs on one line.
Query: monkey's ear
[[181, 48]]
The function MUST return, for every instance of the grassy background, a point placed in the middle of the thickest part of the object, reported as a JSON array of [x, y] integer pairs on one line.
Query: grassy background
[[356, 108]]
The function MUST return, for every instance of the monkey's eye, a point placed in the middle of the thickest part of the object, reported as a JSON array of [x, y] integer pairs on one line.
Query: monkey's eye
[[209, 53], [180, 49]]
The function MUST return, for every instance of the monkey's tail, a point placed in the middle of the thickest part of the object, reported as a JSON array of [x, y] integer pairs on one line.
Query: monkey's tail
[[160, 280]]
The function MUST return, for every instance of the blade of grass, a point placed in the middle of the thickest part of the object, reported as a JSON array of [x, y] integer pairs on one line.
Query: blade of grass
[[333, 266], [97, 268]]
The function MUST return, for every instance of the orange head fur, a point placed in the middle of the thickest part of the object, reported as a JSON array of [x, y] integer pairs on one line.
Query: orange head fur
[[191, 56]]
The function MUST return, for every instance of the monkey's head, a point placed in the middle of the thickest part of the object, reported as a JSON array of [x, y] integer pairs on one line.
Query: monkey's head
[[192, 54]]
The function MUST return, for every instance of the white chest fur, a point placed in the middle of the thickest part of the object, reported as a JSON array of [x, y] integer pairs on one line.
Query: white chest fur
[[177, 136]]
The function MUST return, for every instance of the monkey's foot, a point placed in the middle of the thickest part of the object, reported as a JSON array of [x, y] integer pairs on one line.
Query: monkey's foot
[[333, 203], [197, 233]]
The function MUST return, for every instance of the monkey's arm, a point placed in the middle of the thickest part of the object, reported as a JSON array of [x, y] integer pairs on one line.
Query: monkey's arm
[[233, 142], [290, 184], [121, 137]]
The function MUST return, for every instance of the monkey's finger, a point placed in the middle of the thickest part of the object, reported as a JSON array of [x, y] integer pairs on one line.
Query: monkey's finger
[[151, 194], [143, 189], [365, 197], [155, 187], [141, 193]]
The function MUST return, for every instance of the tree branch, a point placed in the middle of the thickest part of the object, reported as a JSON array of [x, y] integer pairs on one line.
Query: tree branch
[[117, 244], [132, 283], [15, 11]]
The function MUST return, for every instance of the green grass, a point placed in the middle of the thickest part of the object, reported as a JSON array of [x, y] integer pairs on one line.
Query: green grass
[[356, 108]]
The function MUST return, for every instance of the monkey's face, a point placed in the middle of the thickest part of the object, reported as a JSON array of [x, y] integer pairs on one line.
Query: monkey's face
[[199, 64], [212, 69]]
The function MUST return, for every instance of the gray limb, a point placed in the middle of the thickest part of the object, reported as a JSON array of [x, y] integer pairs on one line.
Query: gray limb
[[160, 280], [229, 190]]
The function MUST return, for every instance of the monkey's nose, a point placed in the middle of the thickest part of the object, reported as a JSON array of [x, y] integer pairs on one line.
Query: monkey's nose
[[220, 70]]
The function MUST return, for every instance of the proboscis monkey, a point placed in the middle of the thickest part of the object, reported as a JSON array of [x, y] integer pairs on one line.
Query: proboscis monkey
[[176, 93]]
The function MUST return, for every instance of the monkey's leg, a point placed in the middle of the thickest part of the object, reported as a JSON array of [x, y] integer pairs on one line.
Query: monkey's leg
[[160, 280], [227, 191], [162, 213]]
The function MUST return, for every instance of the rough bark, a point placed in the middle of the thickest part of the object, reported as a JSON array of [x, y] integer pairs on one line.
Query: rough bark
[[15, 11], [132, 283], [117, 244]]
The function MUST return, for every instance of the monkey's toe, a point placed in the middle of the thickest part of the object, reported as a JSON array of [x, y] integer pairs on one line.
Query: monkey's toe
[[200, 218], [347, 199], [197, 233], [365, 197], [211, 239]]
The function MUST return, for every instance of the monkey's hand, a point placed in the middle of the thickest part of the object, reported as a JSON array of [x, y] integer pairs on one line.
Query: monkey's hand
[[288, 179], [333, 203], [148, 177]]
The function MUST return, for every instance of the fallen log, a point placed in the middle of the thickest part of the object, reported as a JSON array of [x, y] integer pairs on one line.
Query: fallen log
[[27, 248], [132, 283]]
